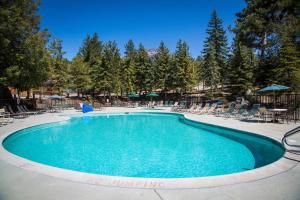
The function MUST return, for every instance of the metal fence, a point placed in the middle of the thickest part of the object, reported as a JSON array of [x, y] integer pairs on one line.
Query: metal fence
[[287, 101]]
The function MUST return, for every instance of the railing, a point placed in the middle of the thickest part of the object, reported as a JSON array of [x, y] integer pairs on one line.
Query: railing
[[295, 148]]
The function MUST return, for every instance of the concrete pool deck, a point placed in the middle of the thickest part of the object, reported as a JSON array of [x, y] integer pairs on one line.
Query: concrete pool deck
[[21, 181]]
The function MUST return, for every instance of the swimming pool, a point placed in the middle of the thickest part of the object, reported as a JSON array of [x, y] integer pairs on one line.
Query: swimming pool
[[150, 145]]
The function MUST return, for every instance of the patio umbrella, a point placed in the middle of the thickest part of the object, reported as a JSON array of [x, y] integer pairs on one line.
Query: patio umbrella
[[56, 97], [133, 95], [273, 88], [152, 94]]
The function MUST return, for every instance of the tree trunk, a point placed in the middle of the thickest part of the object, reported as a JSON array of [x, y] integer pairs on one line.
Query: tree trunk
[[5, 93], [28, 94]]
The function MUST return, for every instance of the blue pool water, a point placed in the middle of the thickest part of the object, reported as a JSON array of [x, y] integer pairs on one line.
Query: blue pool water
[[143, 145]]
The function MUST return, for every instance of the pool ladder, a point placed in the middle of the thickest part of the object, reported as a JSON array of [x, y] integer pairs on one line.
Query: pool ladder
[[293, 148]]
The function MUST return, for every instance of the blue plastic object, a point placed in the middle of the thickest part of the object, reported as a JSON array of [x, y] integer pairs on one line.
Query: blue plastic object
[[87, 108]]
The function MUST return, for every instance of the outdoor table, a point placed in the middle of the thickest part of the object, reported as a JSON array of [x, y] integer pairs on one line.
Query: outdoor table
[[276, 113]]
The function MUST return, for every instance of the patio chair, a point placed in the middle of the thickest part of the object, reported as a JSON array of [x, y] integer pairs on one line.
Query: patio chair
[[175, 106], [241, 111], [166, 104], [204, 109], [22, 110], [5, 117], [230, 111], [17, 115], [201, 108], [211, 109], [265, 114], [252, 113], [39, 111], [190, 109]]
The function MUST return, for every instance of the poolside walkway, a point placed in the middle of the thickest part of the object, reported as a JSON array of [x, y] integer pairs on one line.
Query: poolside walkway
[[16, 182]]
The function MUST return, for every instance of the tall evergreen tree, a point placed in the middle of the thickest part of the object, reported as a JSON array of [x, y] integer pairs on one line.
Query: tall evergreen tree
[[162, 61], [91, 49], [210, 69], [288, 70], [19, 27], [91, 53], [184, 68], [261, 25], [217, 39], [128, 67], [109, 69], [242, 64], [59, 66], [142, 64], [80, 75]]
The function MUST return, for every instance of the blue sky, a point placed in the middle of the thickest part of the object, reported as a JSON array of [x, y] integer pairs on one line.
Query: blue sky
[[145, 21]]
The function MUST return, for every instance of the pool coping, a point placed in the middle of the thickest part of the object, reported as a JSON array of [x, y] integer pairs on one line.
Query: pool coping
[[280, 166]]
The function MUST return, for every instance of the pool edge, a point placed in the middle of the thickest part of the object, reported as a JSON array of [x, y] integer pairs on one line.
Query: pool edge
[[269, 170]]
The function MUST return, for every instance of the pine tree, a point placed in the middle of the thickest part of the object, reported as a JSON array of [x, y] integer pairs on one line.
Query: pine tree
[[80, 75], [128, 67], [59, 66], [288, 70], [151, 72], [211, 69], [242, 64], [162, 62], [19, 31], [91, 53], [109, 70], [184, 68], [217, 38], [142, 64], [261, 25]]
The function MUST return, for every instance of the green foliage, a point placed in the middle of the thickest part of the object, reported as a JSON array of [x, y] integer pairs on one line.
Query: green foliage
[[142, 64], [128, 67], [288, 70], [184, 69], [60, 77], [262, 25], [162, 61], [33, 66], [91, 49], [24, 61], [211, 69], [216, 42], [18, 21], [109, 69], [242, 65], [80, 73]]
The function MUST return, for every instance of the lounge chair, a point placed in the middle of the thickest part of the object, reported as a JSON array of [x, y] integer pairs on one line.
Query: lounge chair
[[22, 110], [17, 115], [229, 111], [265, 114], [38, 111], [5, 117], [211, 109], [252, 113], [190, 109], [175, 106], [204, 109]]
